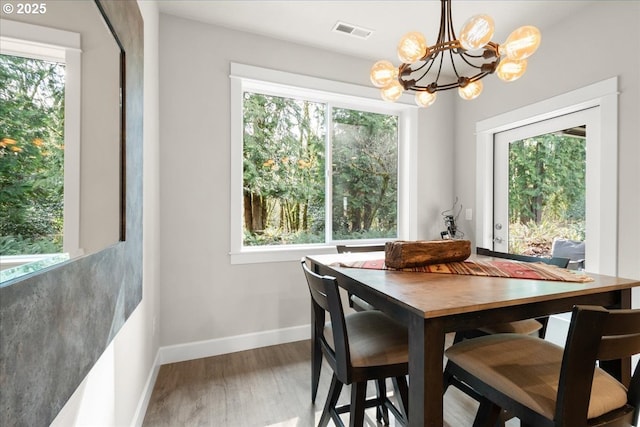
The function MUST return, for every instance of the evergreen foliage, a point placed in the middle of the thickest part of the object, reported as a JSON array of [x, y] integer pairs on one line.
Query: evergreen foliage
[[546, 192], [31, 155]]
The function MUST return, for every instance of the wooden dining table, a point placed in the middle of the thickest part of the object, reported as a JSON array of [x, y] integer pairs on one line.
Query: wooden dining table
[[434, 304]]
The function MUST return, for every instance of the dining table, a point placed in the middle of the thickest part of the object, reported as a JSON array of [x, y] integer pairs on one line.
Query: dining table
[[431, 305]]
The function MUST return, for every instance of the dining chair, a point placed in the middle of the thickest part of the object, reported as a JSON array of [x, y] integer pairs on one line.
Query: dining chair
[[525, 327], [572, 249], [356, 302], [545, 385], [558, 261], [359, 347]]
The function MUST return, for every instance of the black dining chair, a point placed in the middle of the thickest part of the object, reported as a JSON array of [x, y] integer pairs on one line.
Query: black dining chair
[[561, 262], [525, 327], [572, 249], [545, 385], [356, 302], [359, 347]]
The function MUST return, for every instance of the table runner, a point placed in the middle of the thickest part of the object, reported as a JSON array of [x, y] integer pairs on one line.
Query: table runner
[[493, 268]]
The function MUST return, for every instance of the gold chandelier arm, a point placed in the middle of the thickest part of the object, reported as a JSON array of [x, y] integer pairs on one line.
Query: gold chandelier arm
[[466, 55]]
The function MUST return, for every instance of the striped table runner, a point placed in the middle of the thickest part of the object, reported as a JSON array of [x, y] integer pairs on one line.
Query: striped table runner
[[493, 268]]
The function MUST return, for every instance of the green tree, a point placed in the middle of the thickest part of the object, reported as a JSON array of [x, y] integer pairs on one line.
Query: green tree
[[365, 170], [547, 177], [283, 167], [284, 171], [546, 192], [31, 155]]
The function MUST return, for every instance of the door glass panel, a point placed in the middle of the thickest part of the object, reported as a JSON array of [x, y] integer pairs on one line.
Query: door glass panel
[[540, 188], [546, 191]]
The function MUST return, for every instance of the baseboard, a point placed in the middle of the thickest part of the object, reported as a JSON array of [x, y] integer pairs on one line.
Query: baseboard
[[143, 404], [214, 347]]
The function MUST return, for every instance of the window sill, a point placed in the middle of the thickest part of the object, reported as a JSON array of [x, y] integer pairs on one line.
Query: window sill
[[21, 265], [254, 255], [260, 254]]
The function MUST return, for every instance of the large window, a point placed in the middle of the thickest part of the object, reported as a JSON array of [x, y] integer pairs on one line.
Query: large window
[[39, 145], [32, 156], [318, 168]]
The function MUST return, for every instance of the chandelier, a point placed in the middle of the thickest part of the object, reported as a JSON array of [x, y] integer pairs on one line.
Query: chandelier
[[473, 53]]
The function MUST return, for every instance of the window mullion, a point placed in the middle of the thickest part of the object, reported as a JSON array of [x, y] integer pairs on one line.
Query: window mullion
[[328, 175]]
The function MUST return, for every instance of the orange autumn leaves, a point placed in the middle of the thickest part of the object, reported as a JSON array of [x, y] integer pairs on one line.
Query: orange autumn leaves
[[12, 146], [286, 161]]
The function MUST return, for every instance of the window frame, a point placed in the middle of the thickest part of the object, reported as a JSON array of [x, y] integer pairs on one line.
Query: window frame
[[51, 44], [337, 94]]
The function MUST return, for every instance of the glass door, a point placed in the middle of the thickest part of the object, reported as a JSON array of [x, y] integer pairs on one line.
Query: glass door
[[541, 184]]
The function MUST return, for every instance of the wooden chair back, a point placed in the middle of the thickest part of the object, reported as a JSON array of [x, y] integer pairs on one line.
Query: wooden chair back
[[557, 261], [325, 297], [342, 249], [596, 334], [354, 302]]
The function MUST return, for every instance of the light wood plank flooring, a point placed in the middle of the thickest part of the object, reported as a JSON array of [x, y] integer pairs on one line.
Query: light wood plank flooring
[[265, 387]]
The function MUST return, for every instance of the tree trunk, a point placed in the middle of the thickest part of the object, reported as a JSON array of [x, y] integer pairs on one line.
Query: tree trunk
[[356, 220], [248, 216], [258, 213], [305, 217]]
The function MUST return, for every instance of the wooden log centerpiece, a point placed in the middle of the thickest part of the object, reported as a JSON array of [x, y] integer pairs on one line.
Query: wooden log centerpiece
[[408, 254]]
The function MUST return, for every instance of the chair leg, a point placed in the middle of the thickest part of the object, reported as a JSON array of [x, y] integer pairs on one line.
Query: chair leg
[[447, 376], [488, 414], [316, 365], [358, 397], [382, 413], [542, 333], [332, 400], [402, 396]]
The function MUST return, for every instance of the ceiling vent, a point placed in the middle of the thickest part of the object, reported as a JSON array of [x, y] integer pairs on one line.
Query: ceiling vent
[[352, 30]]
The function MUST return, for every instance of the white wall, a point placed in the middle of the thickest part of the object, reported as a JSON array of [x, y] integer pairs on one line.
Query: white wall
[[204, 297], [594, 45], [111, 393]]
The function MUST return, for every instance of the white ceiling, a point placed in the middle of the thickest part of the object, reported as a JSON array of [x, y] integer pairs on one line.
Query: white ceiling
[[311, 22]]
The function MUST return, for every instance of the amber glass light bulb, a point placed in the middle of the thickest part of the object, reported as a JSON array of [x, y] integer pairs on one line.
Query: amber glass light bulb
[[476, 32], [509, 70], [521, 43], [412, 47], [425, 99], [471, 90], [392, 92], [383, 73]]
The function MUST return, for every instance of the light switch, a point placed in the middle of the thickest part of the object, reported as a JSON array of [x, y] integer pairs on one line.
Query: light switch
[[468, 214]]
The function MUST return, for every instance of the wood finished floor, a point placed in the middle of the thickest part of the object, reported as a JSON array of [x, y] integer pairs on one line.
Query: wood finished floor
[[265, 387]]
